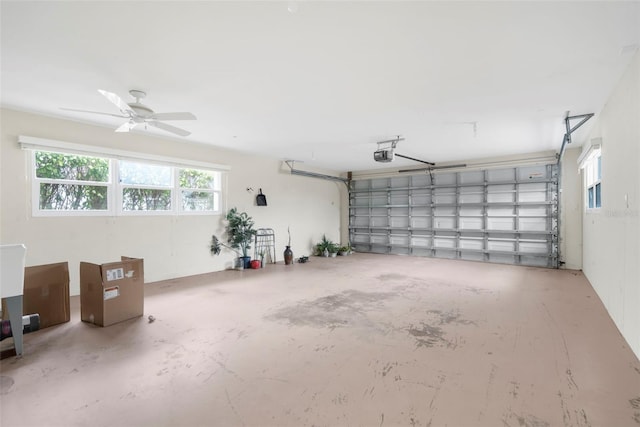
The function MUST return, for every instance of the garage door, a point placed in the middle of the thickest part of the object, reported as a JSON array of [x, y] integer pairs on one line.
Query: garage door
[[507, 215]]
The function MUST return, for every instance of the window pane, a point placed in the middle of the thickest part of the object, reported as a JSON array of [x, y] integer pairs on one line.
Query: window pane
[[591, 175], [68, 166], [598, 197], [145, 199], [193, 178], [133, 173], [72, 197], [590, 194], [199, 201], [599, 168]]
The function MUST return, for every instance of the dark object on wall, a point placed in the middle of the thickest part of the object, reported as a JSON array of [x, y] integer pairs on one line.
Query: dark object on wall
[[288, 256], [261, 199], [30, 323]]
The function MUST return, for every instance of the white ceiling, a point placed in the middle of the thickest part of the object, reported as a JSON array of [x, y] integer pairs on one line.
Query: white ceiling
[[322, 84]]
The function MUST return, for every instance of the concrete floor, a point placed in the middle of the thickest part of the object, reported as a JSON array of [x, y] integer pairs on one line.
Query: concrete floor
[[364, 340]]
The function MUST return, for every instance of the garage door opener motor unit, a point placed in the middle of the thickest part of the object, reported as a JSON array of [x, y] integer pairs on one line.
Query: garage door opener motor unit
[[386, 152]]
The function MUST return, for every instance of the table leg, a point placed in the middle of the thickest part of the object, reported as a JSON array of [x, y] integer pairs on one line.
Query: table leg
[[14, 307]]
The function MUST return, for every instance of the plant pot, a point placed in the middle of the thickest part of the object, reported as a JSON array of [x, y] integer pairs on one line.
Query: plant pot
[[288, 256], [255, 264], [246, 262], [332, 254]]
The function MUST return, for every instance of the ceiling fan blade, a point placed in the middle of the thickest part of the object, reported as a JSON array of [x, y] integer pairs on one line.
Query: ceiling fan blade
[[126, 127], [115, 99], [94, 112], [169, 128], [172, 116]]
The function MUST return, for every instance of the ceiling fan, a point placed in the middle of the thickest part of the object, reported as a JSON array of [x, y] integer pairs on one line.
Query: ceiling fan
[[138, 113]]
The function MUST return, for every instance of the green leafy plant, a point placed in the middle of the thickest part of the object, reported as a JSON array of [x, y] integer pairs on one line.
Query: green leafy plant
[[216, 246], [239, 230], [78, 171], [326, 244], [345, 250]]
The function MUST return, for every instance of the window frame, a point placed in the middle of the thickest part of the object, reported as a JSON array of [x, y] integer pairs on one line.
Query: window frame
[[216, 191], [115, 188], [592, 167], [35, 189], [121, 187]]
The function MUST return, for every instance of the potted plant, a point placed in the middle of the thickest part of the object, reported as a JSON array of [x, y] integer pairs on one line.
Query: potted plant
[[324, 247], [240, 234], [216, 247], [345, 250], [333, 250], [288, 253]]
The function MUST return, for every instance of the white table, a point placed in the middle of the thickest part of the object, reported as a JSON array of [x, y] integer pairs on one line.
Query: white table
[[12, 260]]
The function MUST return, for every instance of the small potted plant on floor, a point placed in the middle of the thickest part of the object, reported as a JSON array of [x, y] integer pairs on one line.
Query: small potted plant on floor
[[216, 247], [325, 246], [333, 250], [240, 234], [345, 250]]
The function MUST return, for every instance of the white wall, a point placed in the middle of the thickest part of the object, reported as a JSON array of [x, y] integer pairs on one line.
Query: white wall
[[611, 237], [571, 211], [172, 246]]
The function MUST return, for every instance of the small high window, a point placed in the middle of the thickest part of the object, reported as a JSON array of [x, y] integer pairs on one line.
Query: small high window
[[71, 183], [593, 179]]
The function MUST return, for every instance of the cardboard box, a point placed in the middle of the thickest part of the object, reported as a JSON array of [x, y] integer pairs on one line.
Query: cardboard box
[[112, 292], [46, 292]]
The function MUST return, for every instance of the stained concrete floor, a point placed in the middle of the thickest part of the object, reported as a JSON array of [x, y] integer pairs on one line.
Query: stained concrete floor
[[364, 340]]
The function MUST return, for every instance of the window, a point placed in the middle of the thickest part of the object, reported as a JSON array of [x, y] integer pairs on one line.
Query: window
[[199, 190], [82, 185], [68, 183], [593, 178], [145, 187]]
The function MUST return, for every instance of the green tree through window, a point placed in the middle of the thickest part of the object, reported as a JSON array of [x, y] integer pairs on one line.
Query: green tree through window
[[66, 181], [197, 190], [89, 185]]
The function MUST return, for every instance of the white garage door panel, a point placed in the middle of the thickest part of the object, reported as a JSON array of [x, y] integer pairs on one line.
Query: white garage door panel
[[400, 221], [420, 222], [471, 223], [506, 215]]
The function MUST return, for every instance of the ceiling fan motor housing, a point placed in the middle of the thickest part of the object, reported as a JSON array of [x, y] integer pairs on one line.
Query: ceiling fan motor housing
[[140, 109]]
